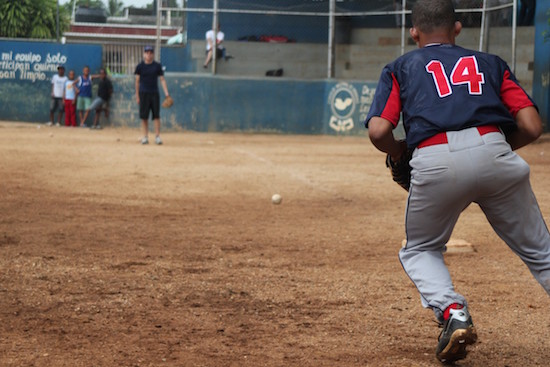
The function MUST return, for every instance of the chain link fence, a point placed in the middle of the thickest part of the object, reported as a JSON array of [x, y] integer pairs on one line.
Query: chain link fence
[[318, 39], [330, 38]]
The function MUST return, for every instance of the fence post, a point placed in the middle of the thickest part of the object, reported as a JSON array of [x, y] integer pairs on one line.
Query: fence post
[[57, 22], [215, 30], [403, 25], [482, 30], [331, 51], [157, 41]]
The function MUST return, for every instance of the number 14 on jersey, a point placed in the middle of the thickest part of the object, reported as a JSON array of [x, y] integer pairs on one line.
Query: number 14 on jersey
[[465, 71]]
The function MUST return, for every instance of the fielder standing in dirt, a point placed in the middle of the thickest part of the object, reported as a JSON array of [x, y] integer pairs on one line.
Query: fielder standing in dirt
[[464, 114], [147, 73]]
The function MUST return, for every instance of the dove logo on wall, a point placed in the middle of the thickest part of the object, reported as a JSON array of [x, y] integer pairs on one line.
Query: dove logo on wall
[[343, 99]]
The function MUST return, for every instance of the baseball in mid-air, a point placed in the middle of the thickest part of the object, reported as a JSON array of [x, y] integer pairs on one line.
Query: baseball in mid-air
[[276, 199]]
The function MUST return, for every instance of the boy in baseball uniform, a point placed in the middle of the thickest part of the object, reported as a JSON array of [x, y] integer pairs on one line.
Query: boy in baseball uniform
[[464, 114]]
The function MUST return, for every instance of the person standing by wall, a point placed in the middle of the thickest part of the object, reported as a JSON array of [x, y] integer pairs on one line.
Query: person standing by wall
[[58, 87], [101, 102], [147, 73], [84, 90], [69, 98]]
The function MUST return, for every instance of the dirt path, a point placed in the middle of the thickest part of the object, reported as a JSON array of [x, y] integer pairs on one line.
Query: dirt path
[[117, 254]]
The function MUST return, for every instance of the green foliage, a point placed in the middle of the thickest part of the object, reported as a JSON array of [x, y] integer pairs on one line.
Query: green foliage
[[172, 4], [167, 4], [13, 18], [43, 21], [92, 4], [31, 19], [115, 7]]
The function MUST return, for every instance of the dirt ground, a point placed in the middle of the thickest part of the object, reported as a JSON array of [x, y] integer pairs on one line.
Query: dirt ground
[[118, 254]]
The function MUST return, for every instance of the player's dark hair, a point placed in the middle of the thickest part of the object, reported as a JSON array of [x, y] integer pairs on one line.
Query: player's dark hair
[[428, 15]]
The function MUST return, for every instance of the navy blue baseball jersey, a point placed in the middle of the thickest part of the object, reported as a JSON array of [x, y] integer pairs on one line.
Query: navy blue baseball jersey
[[445, 87], [148, 76]]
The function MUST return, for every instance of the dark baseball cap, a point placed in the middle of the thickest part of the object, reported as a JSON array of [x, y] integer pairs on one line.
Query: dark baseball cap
[[149, 48]]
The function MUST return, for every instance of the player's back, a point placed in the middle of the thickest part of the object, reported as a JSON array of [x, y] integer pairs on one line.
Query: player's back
[[444, 87]]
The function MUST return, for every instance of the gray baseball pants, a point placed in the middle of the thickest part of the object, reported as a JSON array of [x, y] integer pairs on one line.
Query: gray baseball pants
[[446, 179]]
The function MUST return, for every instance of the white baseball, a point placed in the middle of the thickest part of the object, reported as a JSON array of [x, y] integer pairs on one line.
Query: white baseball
[[276, 199]]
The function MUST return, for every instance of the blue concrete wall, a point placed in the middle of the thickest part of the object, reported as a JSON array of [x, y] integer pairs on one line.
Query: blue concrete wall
[[541, 72], [209, 103], [213, 104], [26, 70], [203, 102], [176, 58]]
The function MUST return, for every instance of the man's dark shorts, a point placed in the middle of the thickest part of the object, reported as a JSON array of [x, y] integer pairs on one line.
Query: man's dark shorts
[[149, 102], [57, 105]]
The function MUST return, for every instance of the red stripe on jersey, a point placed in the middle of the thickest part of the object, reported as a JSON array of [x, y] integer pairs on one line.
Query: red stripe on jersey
[[393, 104], [513, 96]]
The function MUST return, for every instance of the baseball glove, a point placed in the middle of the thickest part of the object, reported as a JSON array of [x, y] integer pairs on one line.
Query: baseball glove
[[401, 170], [168, 102]]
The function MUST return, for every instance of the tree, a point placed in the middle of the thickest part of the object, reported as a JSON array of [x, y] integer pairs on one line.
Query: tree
[[92, 4], [44, 20], [31, 19], [165, 3], [13, 18], [115, 7]]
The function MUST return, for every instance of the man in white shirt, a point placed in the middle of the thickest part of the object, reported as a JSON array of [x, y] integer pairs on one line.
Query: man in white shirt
[[58, 87], [220, 49]]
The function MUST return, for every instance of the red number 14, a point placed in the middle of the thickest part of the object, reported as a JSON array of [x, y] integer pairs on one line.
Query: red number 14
[[465, 71]]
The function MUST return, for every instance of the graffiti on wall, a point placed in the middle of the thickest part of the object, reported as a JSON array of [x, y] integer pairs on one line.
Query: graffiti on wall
[[38, 61], [26, 70], [29, 66], [348, 108]]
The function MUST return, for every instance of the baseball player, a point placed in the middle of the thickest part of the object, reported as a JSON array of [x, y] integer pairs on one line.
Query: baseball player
[[464, 114], [148, 72]]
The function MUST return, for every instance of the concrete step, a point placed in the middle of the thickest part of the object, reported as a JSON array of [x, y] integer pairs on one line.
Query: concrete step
[[377, 36], [392, 36], [265, 51], [500, 35], [298, 70], [370, 50]]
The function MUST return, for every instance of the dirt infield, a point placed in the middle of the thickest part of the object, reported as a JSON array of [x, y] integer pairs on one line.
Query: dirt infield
[[117, 254]]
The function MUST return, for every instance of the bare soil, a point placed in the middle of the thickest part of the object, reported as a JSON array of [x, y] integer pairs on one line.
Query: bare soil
[[118, 254]]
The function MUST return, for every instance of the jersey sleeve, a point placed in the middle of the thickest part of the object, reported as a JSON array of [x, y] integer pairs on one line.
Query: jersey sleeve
[[387, 100], [512, 94]]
